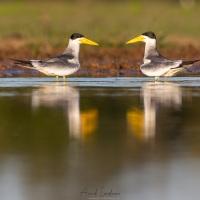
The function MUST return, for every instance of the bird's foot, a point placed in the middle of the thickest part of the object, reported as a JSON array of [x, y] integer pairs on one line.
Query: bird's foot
[[64, 79], [156, 79], [56, 78]]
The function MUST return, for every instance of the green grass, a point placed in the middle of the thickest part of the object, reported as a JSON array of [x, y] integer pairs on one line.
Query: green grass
[[106, 22]]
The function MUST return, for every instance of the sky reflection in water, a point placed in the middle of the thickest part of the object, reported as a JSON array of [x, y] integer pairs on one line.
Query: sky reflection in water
[[141, 142]]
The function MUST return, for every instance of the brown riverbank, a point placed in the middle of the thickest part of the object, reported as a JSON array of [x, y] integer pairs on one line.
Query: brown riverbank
[[95, 61]]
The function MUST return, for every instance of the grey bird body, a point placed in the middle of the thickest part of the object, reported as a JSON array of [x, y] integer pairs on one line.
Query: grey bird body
[[154, 64], [62, 65]]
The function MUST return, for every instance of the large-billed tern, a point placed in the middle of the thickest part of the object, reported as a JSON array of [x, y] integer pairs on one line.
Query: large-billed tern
[[155, 65], [62, 65]]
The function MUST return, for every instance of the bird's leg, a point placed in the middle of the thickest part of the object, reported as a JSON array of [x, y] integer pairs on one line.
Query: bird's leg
[[56, 78], [64, 79], [165, 79], [155, 79]]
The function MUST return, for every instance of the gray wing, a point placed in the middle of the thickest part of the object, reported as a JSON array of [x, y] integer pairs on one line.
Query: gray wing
[[158, 65], [59, 61], [162, 62], [63, 58]]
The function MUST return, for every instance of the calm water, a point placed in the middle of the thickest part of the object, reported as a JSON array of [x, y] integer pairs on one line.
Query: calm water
[[111, 138]]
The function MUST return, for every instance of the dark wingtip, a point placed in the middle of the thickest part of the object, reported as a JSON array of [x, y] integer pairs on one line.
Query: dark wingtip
[[189, 62], [22, 62]]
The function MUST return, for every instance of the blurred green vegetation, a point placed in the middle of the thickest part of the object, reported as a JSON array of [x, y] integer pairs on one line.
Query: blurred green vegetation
[[106, 22]]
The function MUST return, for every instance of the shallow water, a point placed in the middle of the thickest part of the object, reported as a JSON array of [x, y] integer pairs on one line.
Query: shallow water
[[94, 138]]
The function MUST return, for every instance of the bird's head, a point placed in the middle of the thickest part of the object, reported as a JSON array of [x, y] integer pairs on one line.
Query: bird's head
[[80, 39], [147, 37]]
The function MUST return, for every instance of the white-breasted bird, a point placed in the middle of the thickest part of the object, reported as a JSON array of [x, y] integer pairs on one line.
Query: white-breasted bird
[[62, 65], [154, 64]]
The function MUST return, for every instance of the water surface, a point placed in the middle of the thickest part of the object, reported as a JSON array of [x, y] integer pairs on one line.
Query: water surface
[[94, 138]]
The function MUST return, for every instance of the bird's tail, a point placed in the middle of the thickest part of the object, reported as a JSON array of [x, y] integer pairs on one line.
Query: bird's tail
[[184, 66], [24, 63]]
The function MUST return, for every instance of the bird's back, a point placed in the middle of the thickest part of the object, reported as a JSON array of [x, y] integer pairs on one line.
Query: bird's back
[[62, 65], [158, 65]]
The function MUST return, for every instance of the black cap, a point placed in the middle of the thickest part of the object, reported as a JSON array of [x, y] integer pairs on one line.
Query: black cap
[[150, 34], [76, 35]]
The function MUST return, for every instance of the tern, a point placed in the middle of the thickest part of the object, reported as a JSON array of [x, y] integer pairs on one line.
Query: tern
[[62, 65], [155, 65]]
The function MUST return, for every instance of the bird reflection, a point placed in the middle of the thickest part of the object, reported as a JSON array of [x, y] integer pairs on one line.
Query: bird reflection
[[64, 96], [67, 97], [155, 97]]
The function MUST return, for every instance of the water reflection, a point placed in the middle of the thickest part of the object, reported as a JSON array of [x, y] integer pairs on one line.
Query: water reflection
[[81, 123], [63, 96], [42, 155], [156, 97]]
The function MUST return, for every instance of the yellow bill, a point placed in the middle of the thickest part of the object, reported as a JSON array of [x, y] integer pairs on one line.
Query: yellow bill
[[137, 39], [87, 41]]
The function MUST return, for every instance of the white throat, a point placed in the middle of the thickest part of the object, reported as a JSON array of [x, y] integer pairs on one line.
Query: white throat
[[73, 48], [150, 47]]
